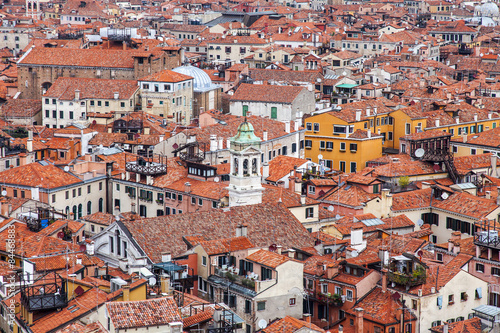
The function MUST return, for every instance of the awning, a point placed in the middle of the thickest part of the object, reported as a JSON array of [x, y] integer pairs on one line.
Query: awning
[[347, 85], [168, 267]]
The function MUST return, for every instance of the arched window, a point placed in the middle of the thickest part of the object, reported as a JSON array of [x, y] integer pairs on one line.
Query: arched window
[[235, 165], [254, 166], [67, 212], [89, 207], [80, 209], [75, 212], [101, 202], [245, 166]]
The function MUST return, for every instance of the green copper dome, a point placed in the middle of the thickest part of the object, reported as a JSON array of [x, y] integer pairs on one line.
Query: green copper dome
[[245, 136]]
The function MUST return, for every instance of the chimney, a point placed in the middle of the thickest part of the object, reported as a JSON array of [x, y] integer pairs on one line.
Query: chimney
[[291, 253], [359, 320], [77, 95], [490, 115], [475, 116], [356, 236], [493, 160], [89, 247], [303, 199], [384, 280], [279, 249], [213, 142], [358, 115], [464, 138], [265, 170], [116, 95], [331, 270], [307, 317], [367, 112], [29, 143], [165, 284], [166, 257], [437, 122], [488, 194], [221, 143], [264, 136], [126, 292], [295, 125], [287, 126], [369, 134], [187, 187], [445, 327], [425, 185], [456, 247], [244, 231], [456, 235]]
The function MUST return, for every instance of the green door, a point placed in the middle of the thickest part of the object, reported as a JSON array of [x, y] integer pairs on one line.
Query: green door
[[245, 110], [274, 112]]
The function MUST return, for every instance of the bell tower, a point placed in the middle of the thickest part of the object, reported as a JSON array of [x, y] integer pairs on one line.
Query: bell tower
[[245, 186]]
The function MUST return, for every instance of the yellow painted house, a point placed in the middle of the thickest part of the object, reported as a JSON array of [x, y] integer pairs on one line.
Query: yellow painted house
[[340, 144]]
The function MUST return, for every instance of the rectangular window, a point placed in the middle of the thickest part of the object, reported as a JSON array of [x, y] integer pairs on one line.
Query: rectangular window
[[274, 112], [339, 129], [329, 145], [308, 126], [322, 145], [316, 127], [349, 295], [353, 147], [479, 268], [200, 202], [342, 166], [342, 146], [67, 195], [495, 271], [261, 306], [308, 143], [204, 260], [309, 212], [111, 244], [451, 299]]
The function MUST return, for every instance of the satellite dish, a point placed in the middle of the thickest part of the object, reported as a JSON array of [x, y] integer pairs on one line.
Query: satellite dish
[[445, 196], [337, 216], [396, 296], [273, 247], [481, 55], [320, 157], [262, 324], [4, 193], [420, 222], [66, 168], [354, 253], [419, 152], [152, 281], [216, 179], [420, 253], [330, 208]]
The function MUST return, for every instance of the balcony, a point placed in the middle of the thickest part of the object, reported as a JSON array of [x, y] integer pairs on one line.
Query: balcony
[[146, 166], [231, 274], [406, 279], [487, 234], [48, 292], [328, 298]]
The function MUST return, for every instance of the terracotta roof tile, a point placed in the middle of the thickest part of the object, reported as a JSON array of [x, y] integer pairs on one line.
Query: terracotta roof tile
[[136, 314], [266, 93], [267, 258]]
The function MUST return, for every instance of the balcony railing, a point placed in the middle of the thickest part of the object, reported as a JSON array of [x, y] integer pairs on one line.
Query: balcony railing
[[149, 168], [233, 276], [407, 279], [328, 298]]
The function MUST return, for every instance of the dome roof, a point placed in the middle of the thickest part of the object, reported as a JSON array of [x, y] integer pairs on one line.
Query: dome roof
[[201, 79], [489, 9], [245, 135]]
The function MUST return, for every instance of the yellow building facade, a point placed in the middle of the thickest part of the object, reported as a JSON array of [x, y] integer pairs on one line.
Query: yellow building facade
[[340, 145]]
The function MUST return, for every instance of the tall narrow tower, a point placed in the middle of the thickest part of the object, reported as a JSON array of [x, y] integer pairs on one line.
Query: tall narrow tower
[[245, 186], [33, 9]]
